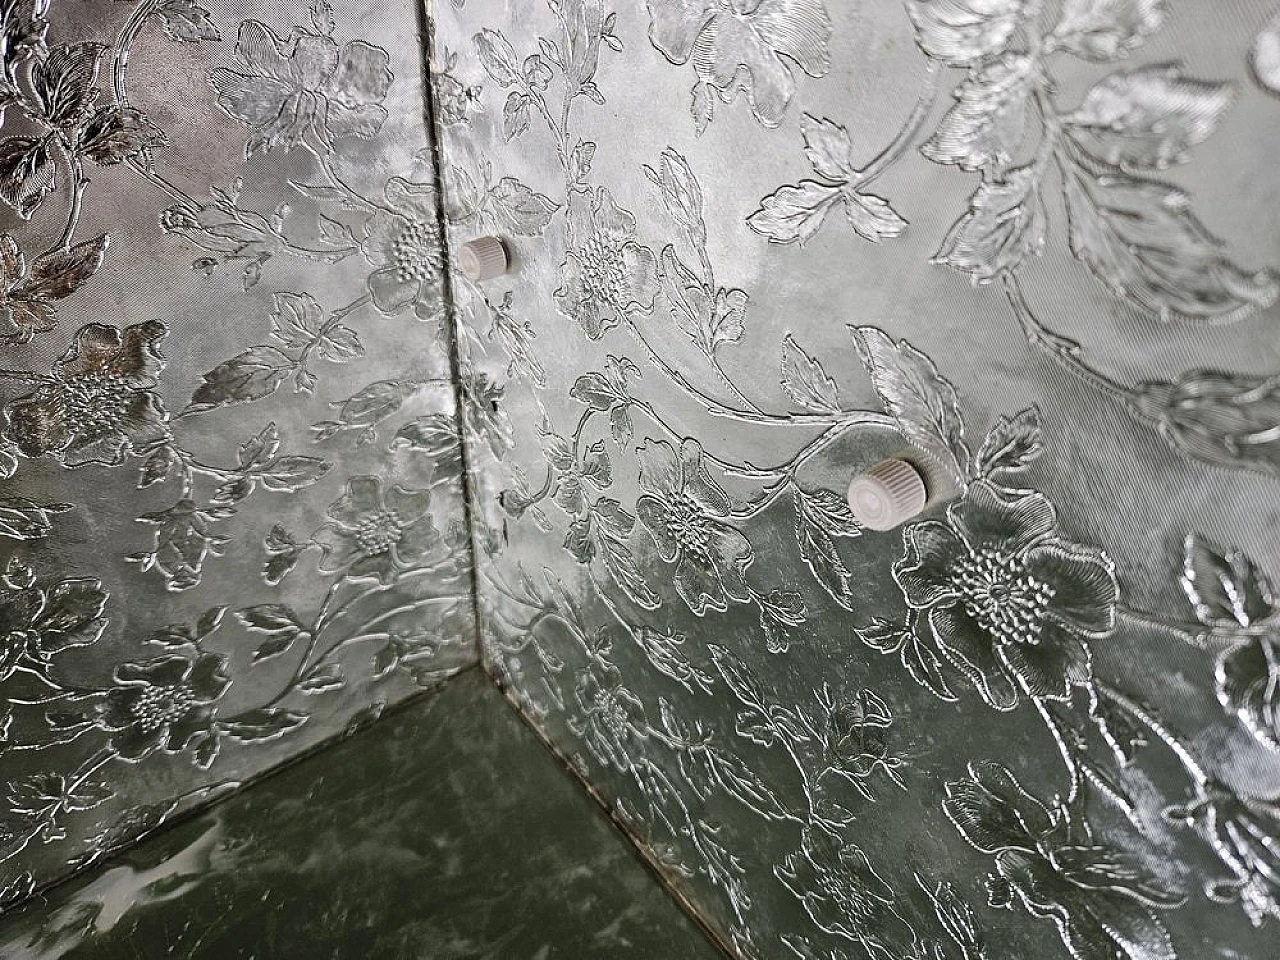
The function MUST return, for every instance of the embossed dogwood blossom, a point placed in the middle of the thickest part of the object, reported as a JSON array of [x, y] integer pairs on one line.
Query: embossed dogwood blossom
[[402, 240], [375, 532], [743, 45], [39, 621], [98, 404], [605, 273], [1100, 903], [686, 511], [840, 890], [1010, 603], [302, 83], [162, 703], [610, 717]]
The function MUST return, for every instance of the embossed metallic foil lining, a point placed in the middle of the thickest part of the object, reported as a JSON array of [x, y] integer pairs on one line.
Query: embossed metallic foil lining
[[758, 247]]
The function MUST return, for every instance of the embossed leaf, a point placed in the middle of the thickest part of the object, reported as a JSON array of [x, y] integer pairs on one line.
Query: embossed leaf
[[246, 377], [827, 146], [621, 564], [436, 435], [780, 612], [1004, 226], [322, 16], [61, 272], [681, 194], [580, 160], [1106, 29], [1248, 684], [793, 214], [870, 216], [366, 408], [296, 318], [115, 133], [289, 474], [23, 519], [804, 380], [1140, 238], [1119, 729], [960, 32], [497, 57], [536, 72], [917, 396], [1221, 418], [340, 344], [270, 618], [264, 723], [1225, 587], [321, 679], [26, 174], [706, 319], [925, 665], [210, 620], [1012, 443], [1149, 117], [515, 115], [743, 784], [745, 685], [987, 124], [187, 21], [63, 83], [87, 795], [814, 531], [72, 615], [260, 448], [725, 323], [157, 466], [274, 645], [519, 209], [830, 511], [182, 544]]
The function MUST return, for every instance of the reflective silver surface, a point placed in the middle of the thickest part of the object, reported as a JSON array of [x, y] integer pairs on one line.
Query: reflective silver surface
[[761, 246], [231, 514]]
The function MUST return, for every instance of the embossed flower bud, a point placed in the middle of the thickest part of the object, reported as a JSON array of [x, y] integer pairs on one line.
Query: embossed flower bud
[[1218, 417]]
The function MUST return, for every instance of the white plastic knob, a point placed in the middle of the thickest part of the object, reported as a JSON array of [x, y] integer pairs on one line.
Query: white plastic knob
[[482, 259], [890, 493]]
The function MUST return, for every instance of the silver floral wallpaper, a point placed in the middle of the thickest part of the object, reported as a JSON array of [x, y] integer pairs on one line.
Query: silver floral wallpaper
[[759, 245], [231, 519]]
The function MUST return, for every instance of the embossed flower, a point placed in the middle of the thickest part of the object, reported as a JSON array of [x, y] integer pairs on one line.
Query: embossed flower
[[1099, 902], [37, 622], [402, 241], [302, 83], [606, 273], [97, 405], [839, 888], [44, 797], [858, 735], [740, 45], [610, 717], [162, 703], [1009, 602], [376, 533], [1244, 833], [27, 291], [685, 512]]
